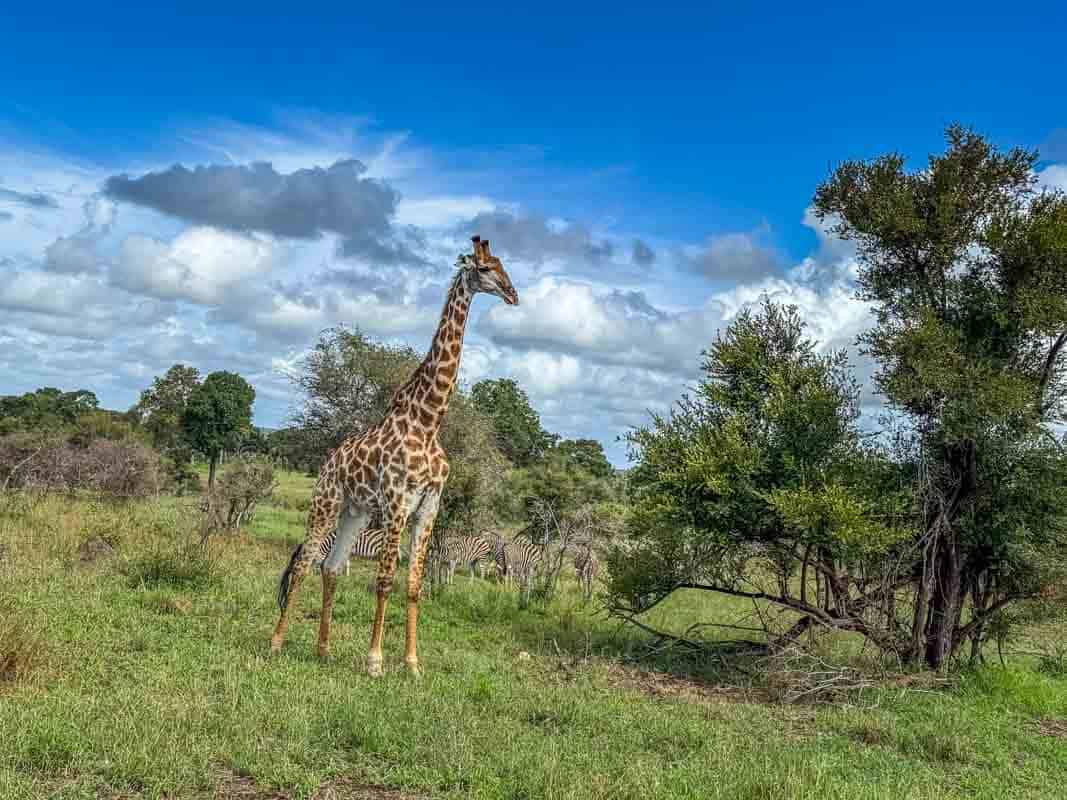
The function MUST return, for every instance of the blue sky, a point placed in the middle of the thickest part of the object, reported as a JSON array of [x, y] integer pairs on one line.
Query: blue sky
[[700, 131]]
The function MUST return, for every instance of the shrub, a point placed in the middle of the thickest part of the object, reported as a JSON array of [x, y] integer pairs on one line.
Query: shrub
[[120, 469], [232, 503], [186, 566]]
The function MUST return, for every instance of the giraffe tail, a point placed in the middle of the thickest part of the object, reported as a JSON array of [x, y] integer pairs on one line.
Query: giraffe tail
[[283, 585]]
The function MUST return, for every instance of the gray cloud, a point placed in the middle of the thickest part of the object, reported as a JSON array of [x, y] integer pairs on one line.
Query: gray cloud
[[29, 199], [642, 254], [301, 205], [737, 257], [6, 215], [533, 239]]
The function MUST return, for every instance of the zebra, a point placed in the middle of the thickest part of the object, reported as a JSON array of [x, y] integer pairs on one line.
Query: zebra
[[519, 560], [469, 550], [587, 565], [366, 546]]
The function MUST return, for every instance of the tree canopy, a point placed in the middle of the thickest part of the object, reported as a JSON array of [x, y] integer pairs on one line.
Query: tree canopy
[[518, 426], [218, 415], [965, 264]]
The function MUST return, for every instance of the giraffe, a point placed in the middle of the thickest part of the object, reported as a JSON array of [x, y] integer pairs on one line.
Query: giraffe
[[393, 473]]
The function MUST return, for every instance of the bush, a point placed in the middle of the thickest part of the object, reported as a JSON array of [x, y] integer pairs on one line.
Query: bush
[[120, 469], [233, 501]]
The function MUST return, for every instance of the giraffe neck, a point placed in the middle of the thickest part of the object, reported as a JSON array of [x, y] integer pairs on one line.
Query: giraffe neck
[[425, 397]]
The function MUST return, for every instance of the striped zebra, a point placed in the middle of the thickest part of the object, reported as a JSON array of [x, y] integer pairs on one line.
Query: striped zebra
[[518, 560], [469, 550], [587, 565], [367, 545]]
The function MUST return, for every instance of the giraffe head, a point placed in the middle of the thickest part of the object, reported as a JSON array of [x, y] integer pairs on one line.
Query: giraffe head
[[485, 273]]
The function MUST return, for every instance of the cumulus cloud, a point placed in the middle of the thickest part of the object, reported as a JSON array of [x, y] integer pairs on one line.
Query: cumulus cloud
[[78, 253], [199, 265], [534, 238], [736, 257], [303, 204]]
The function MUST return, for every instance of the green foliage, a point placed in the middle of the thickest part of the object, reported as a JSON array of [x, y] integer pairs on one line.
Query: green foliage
[[46, 409], [965, 263], [218, 415], [586, 454], [518, 427], [162, 405], [346, 383], [758, 469]]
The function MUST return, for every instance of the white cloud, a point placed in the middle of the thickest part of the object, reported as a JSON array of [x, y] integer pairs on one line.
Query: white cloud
[[199, 265]]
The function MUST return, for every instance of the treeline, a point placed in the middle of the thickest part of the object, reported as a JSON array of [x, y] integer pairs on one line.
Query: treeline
[[50, 439]]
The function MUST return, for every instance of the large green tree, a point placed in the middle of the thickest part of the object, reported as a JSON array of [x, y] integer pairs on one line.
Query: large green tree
[[161, 406], [964, 261], [218, 415], [756, 486], [518, 426]]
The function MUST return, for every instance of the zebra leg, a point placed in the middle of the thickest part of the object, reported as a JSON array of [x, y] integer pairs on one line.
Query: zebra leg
[[351, 525], [321, 521], [397, 516], [420, 538]]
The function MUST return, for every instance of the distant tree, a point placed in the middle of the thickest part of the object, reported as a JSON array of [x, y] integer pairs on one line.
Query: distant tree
[[588, 454], [518, 427], [161, 406], [964, 261], [218, 415], [346, 382], [47, 408]]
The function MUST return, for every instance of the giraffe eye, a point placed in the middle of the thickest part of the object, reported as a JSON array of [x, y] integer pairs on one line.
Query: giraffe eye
[[484, 268]]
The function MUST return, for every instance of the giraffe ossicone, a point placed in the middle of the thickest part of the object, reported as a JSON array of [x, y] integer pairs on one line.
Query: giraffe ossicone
[[392, 473]]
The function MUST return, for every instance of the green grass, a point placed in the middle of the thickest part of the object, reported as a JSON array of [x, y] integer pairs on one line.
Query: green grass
[[151, 679]]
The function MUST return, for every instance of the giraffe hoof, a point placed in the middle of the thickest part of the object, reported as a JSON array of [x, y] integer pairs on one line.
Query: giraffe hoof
[[324, 654], [275, 648], [374, 667], [413, 669]]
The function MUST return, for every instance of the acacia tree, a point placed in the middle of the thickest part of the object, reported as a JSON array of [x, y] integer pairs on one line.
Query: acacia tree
[[965, 264], [756, 486], [218, 415]]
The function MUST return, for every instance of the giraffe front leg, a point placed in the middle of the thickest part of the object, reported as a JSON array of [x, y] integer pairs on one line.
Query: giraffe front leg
[[423, 531]]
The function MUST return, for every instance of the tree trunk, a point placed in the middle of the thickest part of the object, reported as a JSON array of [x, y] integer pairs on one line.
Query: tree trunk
[[944, 602], [212, 463]]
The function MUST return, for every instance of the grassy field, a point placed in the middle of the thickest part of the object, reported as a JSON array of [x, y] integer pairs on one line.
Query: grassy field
[[145, 674]]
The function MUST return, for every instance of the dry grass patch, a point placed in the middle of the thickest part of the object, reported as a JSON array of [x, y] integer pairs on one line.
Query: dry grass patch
[[21, 649]]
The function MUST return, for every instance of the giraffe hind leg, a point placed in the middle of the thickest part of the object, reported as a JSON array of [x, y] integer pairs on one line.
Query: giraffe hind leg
[[351, 526], [321, 520]]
